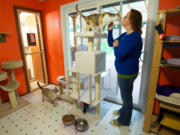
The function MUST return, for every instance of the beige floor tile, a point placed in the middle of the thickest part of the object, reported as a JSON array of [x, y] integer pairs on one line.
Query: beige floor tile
[[41, 118]]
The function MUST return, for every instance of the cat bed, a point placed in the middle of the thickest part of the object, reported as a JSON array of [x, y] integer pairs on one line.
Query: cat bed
[[90, 62], [171, 121]]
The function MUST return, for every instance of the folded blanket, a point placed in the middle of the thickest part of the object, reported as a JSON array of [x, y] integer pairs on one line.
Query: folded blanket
[[175, 95], [167, 90]]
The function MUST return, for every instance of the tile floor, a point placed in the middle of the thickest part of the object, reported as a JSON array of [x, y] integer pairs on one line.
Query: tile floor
[[41, 118]]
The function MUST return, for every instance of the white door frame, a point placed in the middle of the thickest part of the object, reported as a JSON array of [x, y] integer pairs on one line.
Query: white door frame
[[148, 52], [149, 40]]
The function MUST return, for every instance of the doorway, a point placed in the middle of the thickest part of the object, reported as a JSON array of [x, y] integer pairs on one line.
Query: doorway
[[31, 41]]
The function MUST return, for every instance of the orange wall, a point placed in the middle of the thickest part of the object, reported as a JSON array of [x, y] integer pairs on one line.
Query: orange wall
[[10, 50], [53, 35], [167, 75], [62, 2], [53, 38]]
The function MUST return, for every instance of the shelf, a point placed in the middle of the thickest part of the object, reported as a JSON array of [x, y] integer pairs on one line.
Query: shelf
[[171, 41], [73, 69], [90, 34], [169, 100], [167, 131], [171, 121], [171, 44], [84, 96], [170, 107], [170, 63], [173, 12], [170, 66]]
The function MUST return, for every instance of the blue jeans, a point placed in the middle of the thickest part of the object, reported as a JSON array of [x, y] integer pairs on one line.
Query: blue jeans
[[126, 88]]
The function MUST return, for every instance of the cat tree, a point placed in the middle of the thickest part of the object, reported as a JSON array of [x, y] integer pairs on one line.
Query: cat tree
[[11, 87], [90, 63]]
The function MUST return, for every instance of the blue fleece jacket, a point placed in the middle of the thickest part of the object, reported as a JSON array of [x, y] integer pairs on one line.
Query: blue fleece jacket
[[127, 53]]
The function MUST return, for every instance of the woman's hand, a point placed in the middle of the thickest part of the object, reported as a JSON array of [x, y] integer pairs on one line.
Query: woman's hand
[[110, 26], [115, 43]]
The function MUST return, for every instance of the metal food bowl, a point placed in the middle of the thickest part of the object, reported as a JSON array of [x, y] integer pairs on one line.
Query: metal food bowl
[[68, 119], [80, 124]]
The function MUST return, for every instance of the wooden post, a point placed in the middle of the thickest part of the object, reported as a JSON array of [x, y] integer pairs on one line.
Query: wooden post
[[90, 90], [97, 87], [154, 76], [78, 88], [74, 16], [74, 90], [97, 111], [61, 89], [74, 86], [90, 44], [12, 98], [90, 49], [12, 77], [97, 93], [74, 106]]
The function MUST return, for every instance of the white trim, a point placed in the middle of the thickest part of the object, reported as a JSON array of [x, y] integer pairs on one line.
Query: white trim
[[64, 25]]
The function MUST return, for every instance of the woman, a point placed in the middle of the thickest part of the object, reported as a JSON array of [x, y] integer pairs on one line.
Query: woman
[[127, 50]]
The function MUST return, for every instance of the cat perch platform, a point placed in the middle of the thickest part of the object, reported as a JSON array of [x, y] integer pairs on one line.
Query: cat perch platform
[[90, 34], [11, 87]]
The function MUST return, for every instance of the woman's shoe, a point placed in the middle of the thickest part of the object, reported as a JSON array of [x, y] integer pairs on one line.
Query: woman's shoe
[[114, 122], [116, 113]]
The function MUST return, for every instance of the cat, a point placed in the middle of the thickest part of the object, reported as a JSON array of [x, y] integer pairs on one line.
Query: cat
[[49, 93], [97, 22]]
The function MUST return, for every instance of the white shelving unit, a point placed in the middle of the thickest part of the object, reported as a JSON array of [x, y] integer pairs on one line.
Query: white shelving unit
[[92, 64]]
